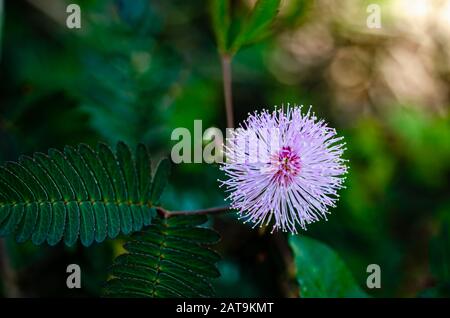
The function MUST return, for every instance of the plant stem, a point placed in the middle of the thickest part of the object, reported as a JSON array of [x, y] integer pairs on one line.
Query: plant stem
[[168, 214], [288, 283], [7, 273], [227, 90]]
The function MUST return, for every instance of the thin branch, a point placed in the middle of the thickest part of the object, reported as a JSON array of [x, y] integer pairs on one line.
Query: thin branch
[[227, 90], [7, 273], [288, 284], [168, 214]]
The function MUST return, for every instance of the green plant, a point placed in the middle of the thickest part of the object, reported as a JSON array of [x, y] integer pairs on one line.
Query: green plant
[[156, 266], [79, 193], [92, 195], [233, 33], [321, 272], [138, 69]]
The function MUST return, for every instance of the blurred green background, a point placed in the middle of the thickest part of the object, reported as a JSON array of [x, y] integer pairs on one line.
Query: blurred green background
[[138, 69]]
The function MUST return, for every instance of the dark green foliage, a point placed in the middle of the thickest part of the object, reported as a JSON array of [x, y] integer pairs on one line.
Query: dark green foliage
[[168, 259], [321, 272], [137, 69], [249, 30], [257, 24], [440, 254], [440, 262], [79, 193], [220, 18]]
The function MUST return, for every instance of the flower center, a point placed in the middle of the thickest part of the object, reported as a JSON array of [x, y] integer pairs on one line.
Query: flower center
[[286, 164]]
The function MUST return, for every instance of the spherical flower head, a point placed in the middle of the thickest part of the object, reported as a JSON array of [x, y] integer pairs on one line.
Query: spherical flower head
[[283, 167]]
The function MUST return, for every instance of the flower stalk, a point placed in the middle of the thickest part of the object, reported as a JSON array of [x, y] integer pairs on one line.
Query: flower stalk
[[7, 273], [227, 89]]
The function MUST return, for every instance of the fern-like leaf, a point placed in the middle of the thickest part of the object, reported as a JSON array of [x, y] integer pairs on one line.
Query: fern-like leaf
[[167, 259], [79, 194]]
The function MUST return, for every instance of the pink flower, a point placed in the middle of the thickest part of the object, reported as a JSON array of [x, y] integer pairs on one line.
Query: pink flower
[[285, 167]]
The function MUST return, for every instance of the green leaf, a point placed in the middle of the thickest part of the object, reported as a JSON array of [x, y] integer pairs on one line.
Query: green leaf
[[87, 224], [73, 223], [220, 16], [30, 220], [79, 194], [321, 272], [257, 25], [169, 259], [127, 165], [143, 165], [160, 180], [43, 224], [58, 223]]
